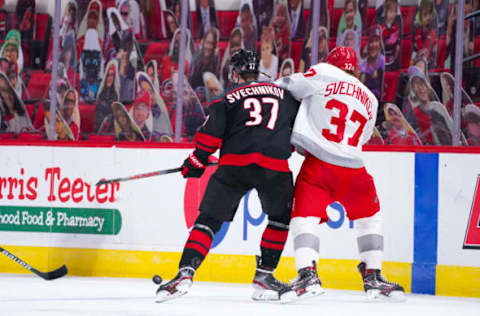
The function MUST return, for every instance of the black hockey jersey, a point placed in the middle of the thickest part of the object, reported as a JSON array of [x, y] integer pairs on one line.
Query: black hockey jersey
[[251, 124]]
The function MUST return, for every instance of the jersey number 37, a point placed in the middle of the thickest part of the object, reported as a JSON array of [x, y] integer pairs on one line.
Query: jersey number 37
[[340, 122], [254, 106]]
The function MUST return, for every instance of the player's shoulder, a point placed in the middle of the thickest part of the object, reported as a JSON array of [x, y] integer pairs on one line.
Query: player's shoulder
[[321, 72], [217, 101], [324, 68]]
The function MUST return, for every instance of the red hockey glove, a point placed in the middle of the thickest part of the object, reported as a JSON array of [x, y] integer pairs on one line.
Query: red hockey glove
[[192, 167]]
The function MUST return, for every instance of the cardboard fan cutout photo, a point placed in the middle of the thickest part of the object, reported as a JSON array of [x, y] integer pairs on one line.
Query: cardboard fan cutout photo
[[247, 22], [70, 112], [425, 33], [235, 42], [91, 67], [158, 121], [108, 93], [281, 30], [471, 122], [376, 138], [62, 131], [206, 58], [350, 21], [448, 83], [298, 23], [132, 15], [213, 87], [323, 38], [171, 24], [69, 20], [287, 68], [152, 71], [125, 127], [418, 104], [470, 112], [141, 112], [397, 129], [13, 114], [263, 13], [268, 65], [93, 19], [206, 16], [118, 30], [193, 115], [372, 66], [389, 17], [442, 126], [174, 6], [306, 55], [121, 37], [12, 49]]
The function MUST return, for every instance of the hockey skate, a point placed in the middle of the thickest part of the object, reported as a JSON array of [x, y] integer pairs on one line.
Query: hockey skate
[[269, 288], [307, 284], [178, 286], [377, 288]]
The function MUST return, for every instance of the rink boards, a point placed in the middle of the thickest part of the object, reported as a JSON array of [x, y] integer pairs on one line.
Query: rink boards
[[51, 214]]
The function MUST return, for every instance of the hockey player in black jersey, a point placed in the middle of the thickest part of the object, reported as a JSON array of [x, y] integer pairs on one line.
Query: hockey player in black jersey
[[251, 124]]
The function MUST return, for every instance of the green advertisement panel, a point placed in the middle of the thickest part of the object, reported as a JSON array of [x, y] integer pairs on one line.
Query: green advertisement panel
[[60, 220]]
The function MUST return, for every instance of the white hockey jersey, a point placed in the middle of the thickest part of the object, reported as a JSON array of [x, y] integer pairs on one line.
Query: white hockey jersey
[[336, 117]]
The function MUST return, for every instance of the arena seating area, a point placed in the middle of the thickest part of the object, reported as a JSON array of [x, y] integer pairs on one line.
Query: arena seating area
[[36, 51]]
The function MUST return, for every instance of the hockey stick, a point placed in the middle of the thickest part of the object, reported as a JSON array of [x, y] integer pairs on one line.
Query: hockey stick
[[52, 275], [145, 175]]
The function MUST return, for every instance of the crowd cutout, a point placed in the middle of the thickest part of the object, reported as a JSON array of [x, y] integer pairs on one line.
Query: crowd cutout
[[102, 64]]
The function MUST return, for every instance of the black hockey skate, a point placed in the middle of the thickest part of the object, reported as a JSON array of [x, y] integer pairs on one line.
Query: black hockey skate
[[269, 288], [307, 284], [178, 286], [376, 287]]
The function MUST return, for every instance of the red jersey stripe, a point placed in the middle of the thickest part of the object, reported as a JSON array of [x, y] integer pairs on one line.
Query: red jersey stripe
[[205, 148], [254, 158], [207, 140]]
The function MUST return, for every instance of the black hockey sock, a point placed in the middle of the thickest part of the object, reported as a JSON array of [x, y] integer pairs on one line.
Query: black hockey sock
[[273, 241], [199, 241]]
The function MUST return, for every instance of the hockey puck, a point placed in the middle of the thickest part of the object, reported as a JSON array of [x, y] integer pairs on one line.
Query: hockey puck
[[157, 279]]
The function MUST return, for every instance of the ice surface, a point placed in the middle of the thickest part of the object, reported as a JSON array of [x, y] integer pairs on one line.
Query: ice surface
[[30, 295]]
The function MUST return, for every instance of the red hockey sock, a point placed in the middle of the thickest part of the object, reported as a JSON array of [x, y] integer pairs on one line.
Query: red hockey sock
[[273, 241], [196, 247]]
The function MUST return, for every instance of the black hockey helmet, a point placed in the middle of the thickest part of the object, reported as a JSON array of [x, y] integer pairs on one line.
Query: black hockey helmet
[[244, 62]]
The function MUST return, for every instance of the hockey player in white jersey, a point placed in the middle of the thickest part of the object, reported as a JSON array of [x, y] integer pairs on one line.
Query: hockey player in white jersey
[[336, 117]]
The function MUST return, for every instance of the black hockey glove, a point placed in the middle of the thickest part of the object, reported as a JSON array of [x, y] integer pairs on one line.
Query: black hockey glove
[[193, 167]]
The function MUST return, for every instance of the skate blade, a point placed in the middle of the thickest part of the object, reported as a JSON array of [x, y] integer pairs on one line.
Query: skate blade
[[263, 295], [182, 289], [311, 291], [377, 296], [288, 297]]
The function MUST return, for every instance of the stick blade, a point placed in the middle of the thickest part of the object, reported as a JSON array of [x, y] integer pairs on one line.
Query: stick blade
[[101, 182], [55, 274]]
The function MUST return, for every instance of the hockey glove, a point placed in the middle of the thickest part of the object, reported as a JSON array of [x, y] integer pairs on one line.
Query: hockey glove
[[193, 167]]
